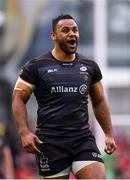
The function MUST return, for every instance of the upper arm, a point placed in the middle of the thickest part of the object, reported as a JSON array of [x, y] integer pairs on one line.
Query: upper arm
[[26, 83], [22, 90], [96, 93]]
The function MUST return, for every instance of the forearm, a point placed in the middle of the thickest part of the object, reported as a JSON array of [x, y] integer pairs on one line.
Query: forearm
[[20, 115], [28, 139], [102, 115]]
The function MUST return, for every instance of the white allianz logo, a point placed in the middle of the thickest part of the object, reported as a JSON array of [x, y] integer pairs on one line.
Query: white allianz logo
[[52, 70], [72, 89]]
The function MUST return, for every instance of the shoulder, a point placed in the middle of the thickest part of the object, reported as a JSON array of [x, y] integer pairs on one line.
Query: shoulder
[[85, 60], [38, 61], [41, 57], [91, 66]]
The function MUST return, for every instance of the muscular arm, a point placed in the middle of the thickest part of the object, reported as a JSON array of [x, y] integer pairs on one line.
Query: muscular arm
[[19, 100], [102, 115], [20, 97]]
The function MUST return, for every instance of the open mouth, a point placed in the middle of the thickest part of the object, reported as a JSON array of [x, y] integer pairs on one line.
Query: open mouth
[[71, 42]]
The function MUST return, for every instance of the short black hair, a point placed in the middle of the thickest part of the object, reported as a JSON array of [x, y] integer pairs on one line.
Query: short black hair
[[58, 18]]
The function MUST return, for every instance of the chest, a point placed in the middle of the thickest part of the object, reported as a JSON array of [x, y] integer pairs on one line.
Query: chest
[[66, 74]]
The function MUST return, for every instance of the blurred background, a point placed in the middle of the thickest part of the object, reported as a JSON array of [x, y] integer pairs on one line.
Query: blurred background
[[25, 27]]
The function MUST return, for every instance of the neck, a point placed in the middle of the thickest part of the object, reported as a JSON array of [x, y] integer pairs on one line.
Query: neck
[[61, 56]]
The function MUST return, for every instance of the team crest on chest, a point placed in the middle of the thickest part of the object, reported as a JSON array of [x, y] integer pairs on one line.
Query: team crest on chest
[[83, 68]]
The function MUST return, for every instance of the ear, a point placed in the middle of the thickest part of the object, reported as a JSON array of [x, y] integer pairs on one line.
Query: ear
[[53, 36]]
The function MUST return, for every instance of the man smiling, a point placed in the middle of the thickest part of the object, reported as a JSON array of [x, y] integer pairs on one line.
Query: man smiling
[[62, 80]]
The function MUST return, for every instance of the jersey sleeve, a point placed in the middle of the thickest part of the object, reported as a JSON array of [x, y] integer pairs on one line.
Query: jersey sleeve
[[29, 72], [97, 75]]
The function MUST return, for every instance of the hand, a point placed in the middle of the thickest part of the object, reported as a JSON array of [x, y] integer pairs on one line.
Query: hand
[[110, 145], [29, 142]]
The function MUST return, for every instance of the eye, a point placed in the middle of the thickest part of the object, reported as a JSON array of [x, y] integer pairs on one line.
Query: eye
[[65, 30], [75, 30]]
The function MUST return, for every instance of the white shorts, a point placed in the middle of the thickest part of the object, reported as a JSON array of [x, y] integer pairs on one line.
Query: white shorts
[[76, 166]]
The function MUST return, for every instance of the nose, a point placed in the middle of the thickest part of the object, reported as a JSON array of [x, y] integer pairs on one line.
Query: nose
[[71, 33]]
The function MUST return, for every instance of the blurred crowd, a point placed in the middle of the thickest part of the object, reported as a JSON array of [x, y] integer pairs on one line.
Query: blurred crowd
[[14, 162], [118, 164]]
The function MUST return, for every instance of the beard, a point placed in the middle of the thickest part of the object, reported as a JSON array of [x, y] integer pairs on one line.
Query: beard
[[66, 49]]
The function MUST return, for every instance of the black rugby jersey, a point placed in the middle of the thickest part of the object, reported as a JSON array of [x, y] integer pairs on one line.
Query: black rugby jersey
[[61, 90]]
